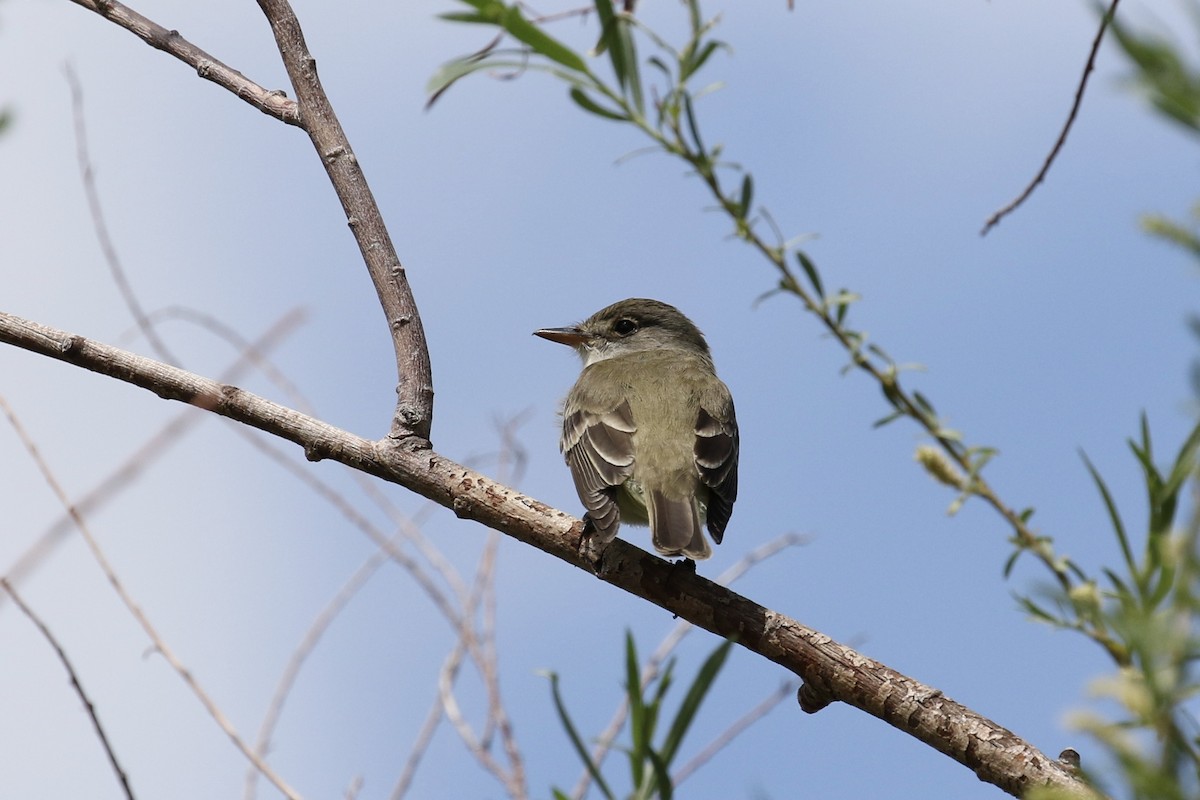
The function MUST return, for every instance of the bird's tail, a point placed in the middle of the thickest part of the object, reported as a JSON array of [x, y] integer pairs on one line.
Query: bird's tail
[[675, 526]]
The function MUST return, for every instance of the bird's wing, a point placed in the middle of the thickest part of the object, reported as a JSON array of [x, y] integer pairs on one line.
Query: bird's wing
[[599, 451], [716, 452]]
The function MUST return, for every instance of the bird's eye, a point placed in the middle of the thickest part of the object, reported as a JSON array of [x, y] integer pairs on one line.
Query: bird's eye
[[625, 327]]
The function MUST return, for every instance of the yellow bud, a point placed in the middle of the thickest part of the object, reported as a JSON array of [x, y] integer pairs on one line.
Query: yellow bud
[[937, 465]]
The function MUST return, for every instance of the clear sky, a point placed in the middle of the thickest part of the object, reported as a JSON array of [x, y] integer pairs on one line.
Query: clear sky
[[888, 131]]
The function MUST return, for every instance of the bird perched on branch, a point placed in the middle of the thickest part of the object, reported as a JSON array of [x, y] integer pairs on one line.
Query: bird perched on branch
[[649, 430]]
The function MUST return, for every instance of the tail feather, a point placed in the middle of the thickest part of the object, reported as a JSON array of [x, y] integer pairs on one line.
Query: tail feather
[[675, 527]]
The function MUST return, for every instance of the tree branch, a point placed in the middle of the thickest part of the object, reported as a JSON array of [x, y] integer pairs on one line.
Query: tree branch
[[995, 218], [273, 103], [830, 670], [90, 707], [414, 408]]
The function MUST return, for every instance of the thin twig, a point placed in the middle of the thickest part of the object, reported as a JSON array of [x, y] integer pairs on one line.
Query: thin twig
[[87, 175], [995, 218], [135, 610], [273, 103], [309, 643], [786, 690], [74, 676], [421, 745]]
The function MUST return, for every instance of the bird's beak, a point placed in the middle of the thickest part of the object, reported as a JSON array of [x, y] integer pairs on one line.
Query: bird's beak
[[573, 337]]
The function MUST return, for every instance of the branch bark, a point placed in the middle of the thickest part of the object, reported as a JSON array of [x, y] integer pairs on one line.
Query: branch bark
[[313, 112], [414, 408], [830, 671]]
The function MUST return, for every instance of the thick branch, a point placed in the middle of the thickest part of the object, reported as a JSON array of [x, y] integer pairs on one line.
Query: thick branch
[[414, 407], [273, 103], [830, 670]]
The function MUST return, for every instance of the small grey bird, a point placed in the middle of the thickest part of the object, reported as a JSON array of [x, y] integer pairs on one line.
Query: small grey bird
[[649, 430]]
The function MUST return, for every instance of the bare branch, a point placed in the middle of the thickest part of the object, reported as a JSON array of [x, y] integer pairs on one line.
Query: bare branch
[[785, 690], [66, 662], [272, 103], [109, 250], [995, 218], [136, 611], [414, 408], [830, 671], [311, 637]]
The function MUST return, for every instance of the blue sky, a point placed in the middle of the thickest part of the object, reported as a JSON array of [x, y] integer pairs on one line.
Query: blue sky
[[889, 131]]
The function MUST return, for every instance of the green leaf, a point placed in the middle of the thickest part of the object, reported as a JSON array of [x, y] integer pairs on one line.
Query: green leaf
[[747, 197], [693, 126], [467, 16], [1166, 581], [585, 102], [1118, 584], [810, 269], [1012, 562], [1113, 514], [879, 423], [637, 710], [569, 726], [690, 65], [1037, 612], [924, 405], [541, 42], [695, 696], [662, 776]]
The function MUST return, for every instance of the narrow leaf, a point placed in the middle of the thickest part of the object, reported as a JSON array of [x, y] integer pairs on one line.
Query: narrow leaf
[[569, 726], [747, 198], [585, 102], [695, 696], [810, 269], [637, 709], [541, 42], [1113, 514], [1012, 562], [662, 776]]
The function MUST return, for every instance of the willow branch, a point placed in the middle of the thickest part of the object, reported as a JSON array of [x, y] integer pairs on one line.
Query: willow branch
[[830, 671], [138, 614]]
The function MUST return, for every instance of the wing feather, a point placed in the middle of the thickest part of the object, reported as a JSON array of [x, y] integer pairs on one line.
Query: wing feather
[[716, 453], [599, 450]]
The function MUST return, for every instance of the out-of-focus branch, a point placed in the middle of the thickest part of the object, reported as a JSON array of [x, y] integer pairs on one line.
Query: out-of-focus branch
[[135, 610], [74, 676], [96, 209], [830, 671], [414, 408], [706, 754], [272, 103], [250, 354]]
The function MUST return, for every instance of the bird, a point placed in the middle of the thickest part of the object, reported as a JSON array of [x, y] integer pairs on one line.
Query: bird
[[649, 430]]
